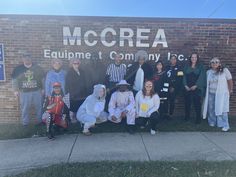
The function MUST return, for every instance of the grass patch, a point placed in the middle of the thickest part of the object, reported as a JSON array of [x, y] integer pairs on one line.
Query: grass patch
[[137, 169], [16, 131]]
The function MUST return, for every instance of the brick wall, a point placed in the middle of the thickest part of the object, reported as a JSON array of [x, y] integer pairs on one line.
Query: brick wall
[[208, 37]]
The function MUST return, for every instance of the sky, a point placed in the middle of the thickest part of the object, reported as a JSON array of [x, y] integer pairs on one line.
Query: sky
[[123, 8]]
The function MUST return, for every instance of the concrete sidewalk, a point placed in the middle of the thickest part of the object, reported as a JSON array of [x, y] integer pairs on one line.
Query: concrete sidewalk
[[22, 154]]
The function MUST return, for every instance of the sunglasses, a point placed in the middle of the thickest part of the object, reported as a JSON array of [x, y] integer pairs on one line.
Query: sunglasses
[[215, 62], [148, 86]]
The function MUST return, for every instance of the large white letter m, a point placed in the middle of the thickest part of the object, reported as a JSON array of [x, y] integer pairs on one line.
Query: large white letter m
[[67, 37]]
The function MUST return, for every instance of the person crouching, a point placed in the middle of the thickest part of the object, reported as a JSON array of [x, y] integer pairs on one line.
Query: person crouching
[[56, 110], [92, 109], [122, 105]]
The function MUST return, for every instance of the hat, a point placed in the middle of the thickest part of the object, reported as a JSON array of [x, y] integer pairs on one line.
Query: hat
[[122, 82], [141, 54], [56, 84]]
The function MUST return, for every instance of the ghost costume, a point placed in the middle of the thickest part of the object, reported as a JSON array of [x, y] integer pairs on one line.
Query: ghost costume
[[122, 102], [92, 110]]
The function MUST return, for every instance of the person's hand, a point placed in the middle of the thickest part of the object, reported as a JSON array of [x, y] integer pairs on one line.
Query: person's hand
[[123, 114], [108, 90], [193, 87], [16, 93], [187, 88], [231, 92], [113, 118]]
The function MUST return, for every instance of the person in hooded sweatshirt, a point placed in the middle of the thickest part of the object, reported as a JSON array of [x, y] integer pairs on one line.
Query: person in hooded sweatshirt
[[92, 109], [56, 74]]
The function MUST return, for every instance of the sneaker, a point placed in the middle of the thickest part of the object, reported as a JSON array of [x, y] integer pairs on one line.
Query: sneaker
[[225, 129], [87, 133], [211, 125], [153, 132], [51, 136]]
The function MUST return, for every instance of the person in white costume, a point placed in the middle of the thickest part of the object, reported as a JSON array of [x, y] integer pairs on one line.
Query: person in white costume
[[122, 105], [219, 88], [92, 109]]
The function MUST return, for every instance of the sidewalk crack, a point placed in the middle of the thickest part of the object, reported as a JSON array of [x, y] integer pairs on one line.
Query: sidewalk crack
[[72, 148], [202, 133], [145, 147]]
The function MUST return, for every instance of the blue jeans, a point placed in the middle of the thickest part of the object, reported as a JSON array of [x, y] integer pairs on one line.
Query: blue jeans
[[221, 120], [27, 99]]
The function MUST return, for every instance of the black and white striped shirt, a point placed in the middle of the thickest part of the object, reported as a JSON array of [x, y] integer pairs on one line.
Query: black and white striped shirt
[[115, 72]]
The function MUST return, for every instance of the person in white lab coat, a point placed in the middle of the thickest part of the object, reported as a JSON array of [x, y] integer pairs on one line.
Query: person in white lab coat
[[122, 105], [219, 88], [92, 109]]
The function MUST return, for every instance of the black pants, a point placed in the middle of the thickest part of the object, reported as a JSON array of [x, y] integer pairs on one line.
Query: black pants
[[153, 120], [75, 104], [163, 108], [171, 102], [195, 98]]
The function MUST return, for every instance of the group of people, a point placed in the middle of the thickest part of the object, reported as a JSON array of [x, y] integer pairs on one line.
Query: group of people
[[140, 93]]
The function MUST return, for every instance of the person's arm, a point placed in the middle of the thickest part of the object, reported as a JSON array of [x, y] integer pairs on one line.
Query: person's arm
[[229, 80], [201, 81], [137, 103], [112, 104], [47, 84], [179, 79], [131, 104], [99, 107], [185, 80], [230, 85], [155, 106], [42, 79], [68, 82], [15, 84], [107, 76]]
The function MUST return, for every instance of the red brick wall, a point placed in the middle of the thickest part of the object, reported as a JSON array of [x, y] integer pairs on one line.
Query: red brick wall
[[208, 37]]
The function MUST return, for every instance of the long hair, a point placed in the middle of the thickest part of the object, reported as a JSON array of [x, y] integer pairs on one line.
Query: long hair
[[220, 68], [198, 59], [163, 66], [144, 91]]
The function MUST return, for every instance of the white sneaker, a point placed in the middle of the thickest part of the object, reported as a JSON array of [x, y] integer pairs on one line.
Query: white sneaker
[[225, 129], [153, 132], [211, 125], [87, 132]]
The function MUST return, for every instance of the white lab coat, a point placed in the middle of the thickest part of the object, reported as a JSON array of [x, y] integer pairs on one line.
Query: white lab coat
[[120, 102], [222, 93]]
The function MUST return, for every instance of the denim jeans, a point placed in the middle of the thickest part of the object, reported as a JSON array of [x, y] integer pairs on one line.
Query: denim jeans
[[221, 120], [27, 99]]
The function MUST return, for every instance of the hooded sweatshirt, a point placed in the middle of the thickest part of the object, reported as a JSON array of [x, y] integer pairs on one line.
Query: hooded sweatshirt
[[93, 105]]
